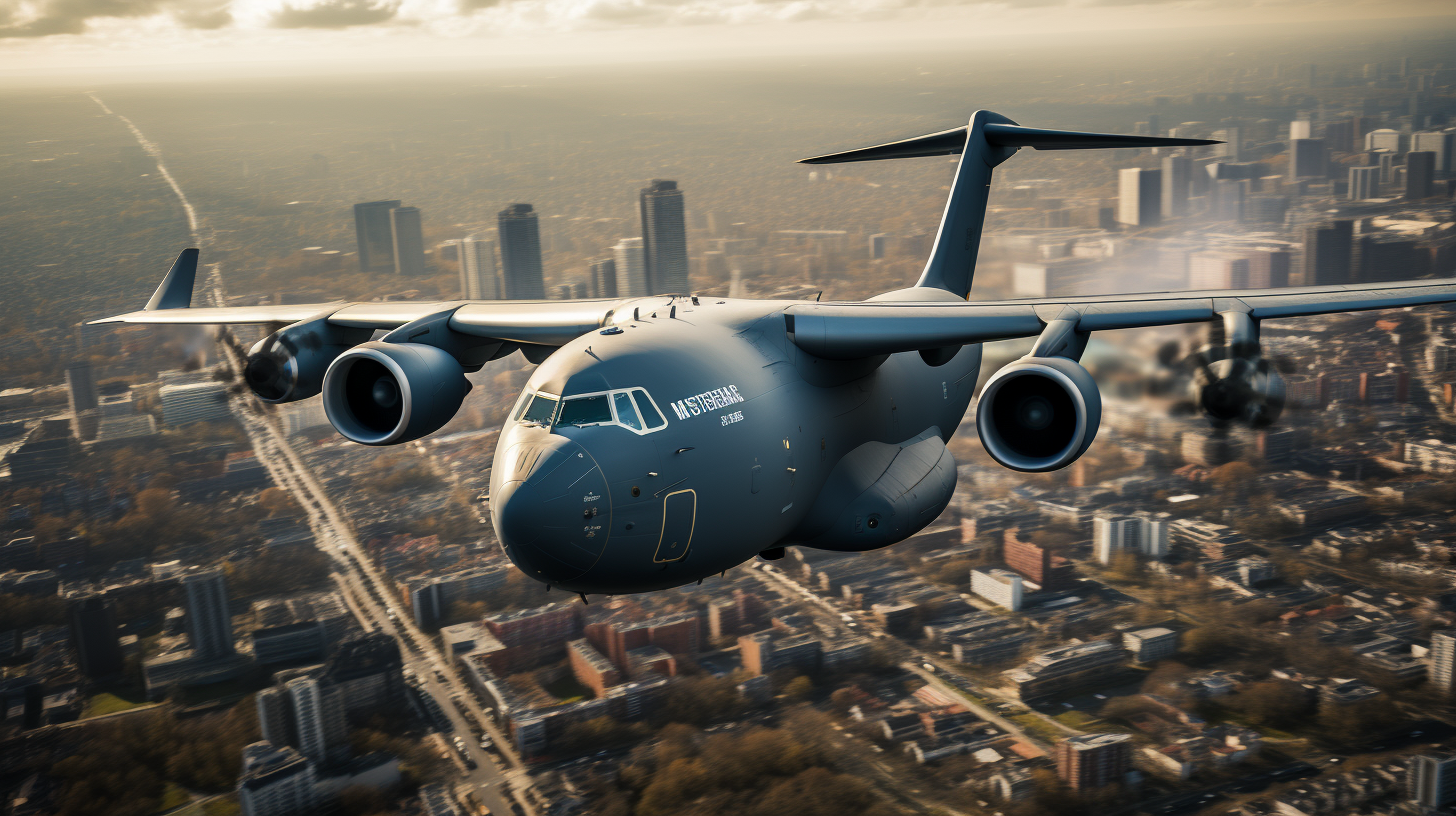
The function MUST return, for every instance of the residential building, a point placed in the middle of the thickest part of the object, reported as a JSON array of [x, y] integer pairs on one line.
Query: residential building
[[479, 278], [1076, 666], [1443, 660], [631, 268], [276, 781], [92, 622], [1430, 781], [209, 621], [1092, 761], [194, 402], [1001, 587], [1150, 645]]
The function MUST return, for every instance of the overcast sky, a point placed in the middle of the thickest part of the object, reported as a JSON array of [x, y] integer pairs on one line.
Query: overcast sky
[[49, 36]]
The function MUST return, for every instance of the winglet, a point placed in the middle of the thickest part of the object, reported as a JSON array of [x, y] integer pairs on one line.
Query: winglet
[[176, 289]]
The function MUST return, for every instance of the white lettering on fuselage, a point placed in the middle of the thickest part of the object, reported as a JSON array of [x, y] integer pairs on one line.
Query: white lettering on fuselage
[[707, 401]]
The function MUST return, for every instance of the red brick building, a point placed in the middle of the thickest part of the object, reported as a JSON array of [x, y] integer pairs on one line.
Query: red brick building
[[1094, 760], [1036, 563]]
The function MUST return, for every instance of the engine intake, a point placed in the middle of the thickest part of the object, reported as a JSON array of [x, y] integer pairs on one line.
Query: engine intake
[[1039, 413], [387, 393], [290, 364], [1239, 389]]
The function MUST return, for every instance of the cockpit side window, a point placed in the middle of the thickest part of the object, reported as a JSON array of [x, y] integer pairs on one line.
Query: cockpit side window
[[589, 410], [626, 414], [649, 410], [540, 409]]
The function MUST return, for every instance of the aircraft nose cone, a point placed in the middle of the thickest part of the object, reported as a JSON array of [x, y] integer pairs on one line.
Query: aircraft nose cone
[[551, 510]]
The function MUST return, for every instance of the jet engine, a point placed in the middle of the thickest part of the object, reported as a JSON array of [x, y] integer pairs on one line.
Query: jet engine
[[290, 364], [1232, 381], [1235, 383], [1039, 413], [383, 393]]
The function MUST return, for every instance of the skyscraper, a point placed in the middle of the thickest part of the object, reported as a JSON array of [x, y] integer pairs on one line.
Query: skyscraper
[[275, 716], [1232, 143], [1443, 660], [478, 277], [1420, 174], [1177, 183], [1139, 197], [1301, 129], [209, 623], [92, 622], [306, 699], [604, 278], [631, 268], [1268, 267], [1430, 781], [520, 250], [1327, 251], [664, 238], [1440, 142], [81, 387], [376, 239], [1307, 158], [1384, 139], [409, 241], [1364, 182]]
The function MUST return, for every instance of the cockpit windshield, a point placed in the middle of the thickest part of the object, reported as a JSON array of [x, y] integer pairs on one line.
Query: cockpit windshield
[[595, 409], [538, 409], [630, 408]]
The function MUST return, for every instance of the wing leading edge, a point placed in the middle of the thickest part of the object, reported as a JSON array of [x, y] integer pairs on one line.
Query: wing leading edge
[[850, 331]]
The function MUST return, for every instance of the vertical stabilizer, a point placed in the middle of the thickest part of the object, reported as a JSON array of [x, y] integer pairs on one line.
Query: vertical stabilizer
[[988, 140]]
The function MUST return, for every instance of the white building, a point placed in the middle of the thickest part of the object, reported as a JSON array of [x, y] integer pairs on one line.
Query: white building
[[631, 268], [999, 586], [1150, 645], [194, 402], [275, 782], [1431, 455], [1141, 533], [1443, 660], [479, 278]]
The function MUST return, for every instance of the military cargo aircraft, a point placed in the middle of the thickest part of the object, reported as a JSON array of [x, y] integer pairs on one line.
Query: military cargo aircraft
[[664, 439]]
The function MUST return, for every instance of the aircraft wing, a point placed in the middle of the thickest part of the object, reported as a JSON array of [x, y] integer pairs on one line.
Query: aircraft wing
[[541, 322], [850, 331]]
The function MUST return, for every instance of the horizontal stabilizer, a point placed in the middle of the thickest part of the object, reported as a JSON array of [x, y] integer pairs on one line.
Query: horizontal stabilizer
[[953, 142], [176, 289]]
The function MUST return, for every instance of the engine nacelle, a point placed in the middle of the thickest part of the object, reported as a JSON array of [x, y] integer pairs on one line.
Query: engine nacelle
[[387, 393], [1039, 413], [290, 364], [1239, 389]]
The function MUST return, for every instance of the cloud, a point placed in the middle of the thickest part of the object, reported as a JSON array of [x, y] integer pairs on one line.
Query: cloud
[[335, 14], [53, 17]]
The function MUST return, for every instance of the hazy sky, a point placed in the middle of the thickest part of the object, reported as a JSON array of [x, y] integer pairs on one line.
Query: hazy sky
[[48, 36]]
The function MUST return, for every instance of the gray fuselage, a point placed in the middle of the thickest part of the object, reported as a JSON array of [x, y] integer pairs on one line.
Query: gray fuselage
[[754, 429]]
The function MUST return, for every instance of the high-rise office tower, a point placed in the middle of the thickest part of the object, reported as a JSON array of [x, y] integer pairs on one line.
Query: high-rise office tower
[[664, 238], [1268, 268], [631, 268], [209, 623], [1420, 174], [520, 250], [1386, 160], [275, 716], [81, 387], [1364, 182], [1327, 253], [1307, 159], [1301, 129], [1177, 185], [1384, 139], [1228, 199], [1218, 270], [306, 698], [1443, 660], [877, 245], [604, 277], [1440, 142], [1340, 136], [1232, 147], [376, 239], [478, 277], [92, 622], [1139, 197], [409, 241], [1430, 781]]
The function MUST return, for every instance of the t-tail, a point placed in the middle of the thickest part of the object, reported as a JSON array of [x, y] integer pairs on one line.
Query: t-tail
[[985, 142]]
